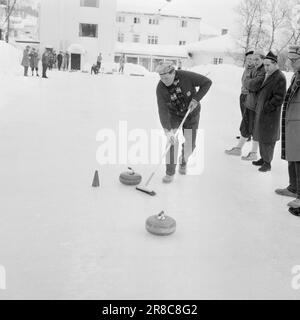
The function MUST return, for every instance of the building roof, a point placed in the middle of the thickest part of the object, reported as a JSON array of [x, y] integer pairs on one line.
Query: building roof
[[206, 29], [224, 43], [176, 8], [151, 49]]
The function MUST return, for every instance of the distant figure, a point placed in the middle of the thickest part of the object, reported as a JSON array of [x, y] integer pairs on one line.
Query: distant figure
[[51, 60], [99, 61], [59, 60], [26, 60], [95, 69], [45, 62], [34, 61], [122, 64], [179, 65], [66, 61]]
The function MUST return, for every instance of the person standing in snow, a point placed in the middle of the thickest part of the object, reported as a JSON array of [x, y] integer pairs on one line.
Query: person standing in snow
[[122, 64], [59, 60], [34, 62], [45, 62], [179, 65], [177, 93], [249, 66], [290, 149], [26, 60], [252, 83], [99, 61], [268, 112]]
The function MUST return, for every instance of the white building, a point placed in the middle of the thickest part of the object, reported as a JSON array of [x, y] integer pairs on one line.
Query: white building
[[82, 27], [147, 34], [217, 50]]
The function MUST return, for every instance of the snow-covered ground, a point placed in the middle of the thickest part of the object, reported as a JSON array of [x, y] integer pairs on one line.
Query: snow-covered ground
[[62, 239]]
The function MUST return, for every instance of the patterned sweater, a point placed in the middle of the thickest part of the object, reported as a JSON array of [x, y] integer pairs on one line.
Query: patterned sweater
[[174, 101]]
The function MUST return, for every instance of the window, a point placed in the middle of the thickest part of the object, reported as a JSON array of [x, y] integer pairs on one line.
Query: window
[[218, 61], [89, 3], [121, 37], [88, 30], [182, 43], [184, 23], [136, 38], [136, 20], [121, 19], [152, 39], [154, 21]]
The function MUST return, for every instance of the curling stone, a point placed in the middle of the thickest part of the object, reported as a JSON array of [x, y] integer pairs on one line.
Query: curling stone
[[130, 178], [161, 225]]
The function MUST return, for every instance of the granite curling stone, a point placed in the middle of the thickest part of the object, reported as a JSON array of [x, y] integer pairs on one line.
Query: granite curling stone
[[161, 225], [130, 178]]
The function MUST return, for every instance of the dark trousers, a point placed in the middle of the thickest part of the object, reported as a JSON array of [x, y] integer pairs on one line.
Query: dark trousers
[[26, 71], [242, 103], [247, 125], [267, 151], [294, 174], [190, 129], [36, 69], [44, 70], [59, 63]]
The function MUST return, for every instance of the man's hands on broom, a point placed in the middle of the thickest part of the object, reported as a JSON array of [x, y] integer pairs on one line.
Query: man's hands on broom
[[170, 134], [193, 105]]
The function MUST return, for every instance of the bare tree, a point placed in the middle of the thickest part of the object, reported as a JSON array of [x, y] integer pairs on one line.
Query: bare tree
[[278, 14], [247, 11]]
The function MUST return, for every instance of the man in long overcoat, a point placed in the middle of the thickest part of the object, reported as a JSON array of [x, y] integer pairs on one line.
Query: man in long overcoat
[[291, 133], [268, 111]]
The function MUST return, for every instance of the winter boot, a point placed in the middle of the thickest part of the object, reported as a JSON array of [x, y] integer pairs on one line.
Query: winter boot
[[234, 152], [168, 179], [252, 156], [258, 163], [286, 193], [295, 212], [265, 167], [294, 204]]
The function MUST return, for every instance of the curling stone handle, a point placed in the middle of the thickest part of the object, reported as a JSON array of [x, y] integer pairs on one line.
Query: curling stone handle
[[161, 216], [132, 171]]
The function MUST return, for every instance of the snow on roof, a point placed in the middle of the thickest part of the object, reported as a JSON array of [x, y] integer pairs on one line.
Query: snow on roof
[[178, 8], [224, 43], [206, 29], [150, 49]]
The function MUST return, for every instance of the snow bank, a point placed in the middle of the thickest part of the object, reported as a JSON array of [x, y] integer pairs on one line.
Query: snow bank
[[10, 59], [227, 76]]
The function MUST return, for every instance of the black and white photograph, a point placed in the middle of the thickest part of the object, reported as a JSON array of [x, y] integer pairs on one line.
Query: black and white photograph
[[149, 150]]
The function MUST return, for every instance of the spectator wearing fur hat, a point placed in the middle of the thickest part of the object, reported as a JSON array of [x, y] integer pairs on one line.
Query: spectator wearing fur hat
[[268, 111], [252, 83], [177, 92], [291, 133]]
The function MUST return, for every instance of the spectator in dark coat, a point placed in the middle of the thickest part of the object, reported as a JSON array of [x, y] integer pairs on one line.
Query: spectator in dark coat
[[291, 133], [252, 83], [59, 60], [45, 62], [268, 112], [176, 94], [34, 62], [26, 60]]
